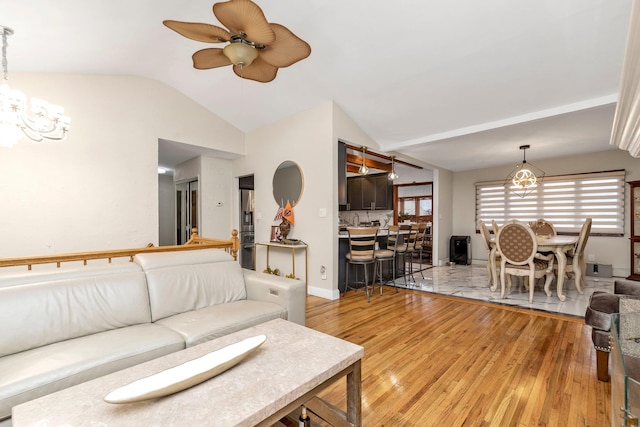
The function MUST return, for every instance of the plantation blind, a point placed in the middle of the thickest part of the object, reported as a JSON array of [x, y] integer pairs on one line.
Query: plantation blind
[[563, 200]]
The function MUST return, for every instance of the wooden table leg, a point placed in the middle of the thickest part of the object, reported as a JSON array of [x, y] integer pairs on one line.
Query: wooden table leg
[[492, 263], [561, 257], [354, 395]]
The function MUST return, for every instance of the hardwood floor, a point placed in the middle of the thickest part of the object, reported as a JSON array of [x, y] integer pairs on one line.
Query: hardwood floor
[[441, 361]]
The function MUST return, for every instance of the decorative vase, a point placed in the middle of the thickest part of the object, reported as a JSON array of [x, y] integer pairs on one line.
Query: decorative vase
[[285, 227]]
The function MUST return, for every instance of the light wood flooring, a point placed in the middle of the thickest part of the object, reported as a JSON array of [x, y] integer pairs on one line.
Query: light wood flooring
[[442, 361]]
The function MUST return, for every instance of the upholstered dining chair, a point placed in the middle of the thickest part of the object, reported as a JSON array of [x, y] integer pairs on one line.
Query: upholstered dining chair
[[542, 227], [518, 250], [492, 252], [394, 240], [576, 264], [495, 227], [362, 244]]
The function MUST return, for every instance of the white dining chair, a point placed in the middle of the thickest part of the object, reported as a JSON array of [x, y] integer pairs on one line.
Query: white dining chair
[[518, 249], [576, 264], [542, 227], [492, 256]]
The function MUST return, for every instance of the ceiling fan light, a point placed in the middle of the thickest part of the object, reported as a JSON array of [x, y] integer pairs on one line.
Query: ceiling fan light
[[240, 54]]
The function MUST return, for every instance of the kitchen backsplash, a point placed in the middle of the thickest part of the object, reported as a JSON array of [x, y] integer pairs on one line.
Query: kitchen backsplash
[[355, 218]]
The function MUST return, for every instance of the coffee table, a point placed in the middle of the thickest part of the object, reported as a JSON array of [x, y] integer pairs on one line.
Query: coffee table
[[289, 369]]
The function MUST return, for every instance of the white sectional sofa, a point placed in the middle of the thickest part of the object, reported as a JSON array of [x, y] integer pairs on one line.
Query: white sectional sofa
[[63, 327]]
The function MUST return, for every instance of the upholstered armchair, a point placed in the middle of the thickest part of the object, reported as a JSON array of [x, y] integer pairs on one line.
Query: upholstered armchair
[[598, 315]]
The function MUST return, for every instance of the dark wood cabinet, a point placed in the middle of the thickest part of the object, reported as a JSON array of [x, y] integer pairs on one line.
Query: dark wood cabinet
[[384, 192], [354, 193], [369, 192]]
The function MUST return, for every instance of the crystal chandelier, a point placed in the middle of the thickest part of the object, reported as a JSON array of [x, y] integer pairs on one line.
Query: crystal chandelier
[[40, 122], [524, 178]]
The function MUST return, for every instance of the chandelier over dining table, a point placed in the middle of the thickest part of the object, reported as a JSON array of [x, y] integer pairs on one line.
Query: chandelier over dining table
[[525, 177], [36, 119]]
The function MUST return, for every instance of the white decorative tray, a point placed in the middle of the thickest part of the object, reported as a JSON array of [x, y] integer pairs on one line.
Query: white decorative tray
[[187, 374]]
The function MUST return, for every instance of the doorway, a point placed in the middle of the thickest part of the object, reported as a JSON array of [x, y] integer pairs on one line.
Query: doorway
[[414, 202], [186, 210]]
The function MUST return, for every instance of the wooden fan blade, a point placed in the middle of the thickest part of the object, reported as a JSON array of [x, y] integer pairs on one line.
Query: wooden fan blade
[[197, 31], [244, 16], [209, 58], [259, 71], [286, 50]]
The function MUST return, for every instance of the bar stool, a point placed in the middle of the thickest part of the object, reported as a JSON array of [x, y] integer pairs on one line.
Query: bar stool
[[408, 234], [362, 243], [418, 245], [389, 254]]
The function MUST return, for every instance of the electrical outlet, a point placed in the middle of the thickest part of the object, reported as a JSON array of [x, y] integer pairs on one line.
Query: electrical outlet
[[323, 272], [591, 257]]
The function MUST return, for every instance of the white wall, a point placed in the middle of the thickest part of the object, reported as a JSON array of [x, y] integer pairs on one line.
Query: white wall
[[166, 210], [216, 195], [443, 214], [98, 189], [305, 139], [608, 250]]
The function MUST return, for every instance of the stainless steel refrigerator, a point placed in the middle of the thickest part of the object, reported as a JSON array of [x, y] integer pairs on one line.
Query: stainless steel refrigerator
[[246, 229]]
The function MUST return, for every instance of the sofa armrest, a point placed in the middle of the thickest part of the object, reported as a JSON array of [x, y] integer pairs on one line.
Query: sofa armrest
[[626, 287], [289, 293]]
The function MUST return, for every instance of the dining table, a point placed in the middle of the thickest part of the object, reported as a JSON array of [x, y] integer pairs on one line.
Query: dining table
[[559, 245]]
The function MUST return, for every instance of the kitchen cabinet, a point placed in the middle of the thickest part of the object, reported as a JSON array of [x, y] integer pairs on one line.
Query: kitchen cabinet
[[369, 192], [354, 193]]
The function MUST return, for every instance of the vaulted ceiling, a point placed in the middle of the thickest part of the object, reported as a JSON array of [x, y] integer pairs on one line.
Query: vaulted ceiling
[[458, 84]]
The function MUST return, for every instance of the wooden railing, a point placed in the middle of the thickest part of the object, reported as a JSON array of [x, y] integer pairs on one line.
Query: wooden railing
[[195, 242]]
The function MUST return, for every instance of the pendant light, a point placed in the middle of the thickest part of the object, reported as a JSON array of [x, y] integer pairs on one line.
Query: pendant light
[[393, 175], [525, 177], [364, 170]]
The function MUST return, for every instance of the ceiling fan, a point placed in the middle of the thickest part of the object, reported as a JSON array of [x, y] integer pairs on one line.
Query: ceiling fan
[[257, 48]]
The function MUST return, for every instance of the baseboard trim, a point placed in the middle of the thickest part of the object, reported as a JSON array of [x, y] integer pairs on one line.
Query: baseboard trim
[[330, 294]]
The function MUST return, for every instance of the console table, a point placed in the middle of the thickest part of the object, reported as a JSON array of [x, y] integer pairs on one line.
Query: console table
[[293, 249]]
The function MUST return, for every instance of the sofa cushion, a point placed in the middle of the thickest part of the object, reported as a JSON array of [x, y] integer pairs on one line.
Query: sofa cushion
[[202, 325], [190, 280], [35, 373], [24, 277], [38, 314]]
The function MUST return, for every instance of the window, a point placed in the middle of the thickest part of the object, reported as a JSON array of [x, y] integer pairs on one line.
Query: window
[[414, 201], [419, 209], [564, 200]]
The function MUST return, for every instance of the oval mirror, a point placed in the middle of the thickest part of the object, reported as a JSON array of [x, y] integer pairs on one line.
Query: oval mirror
[[287, 183]]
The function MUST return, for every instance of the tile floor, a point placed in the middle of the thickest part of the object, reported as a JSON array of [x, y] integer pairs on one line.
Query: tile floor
[[471, 281]]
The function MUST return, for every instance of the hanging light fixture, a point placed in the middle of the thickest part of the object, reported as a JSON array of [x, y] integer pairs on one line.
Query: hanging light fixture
[[393, 175], [240, 52], [525, 177], [41, 122], [363, 169]]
